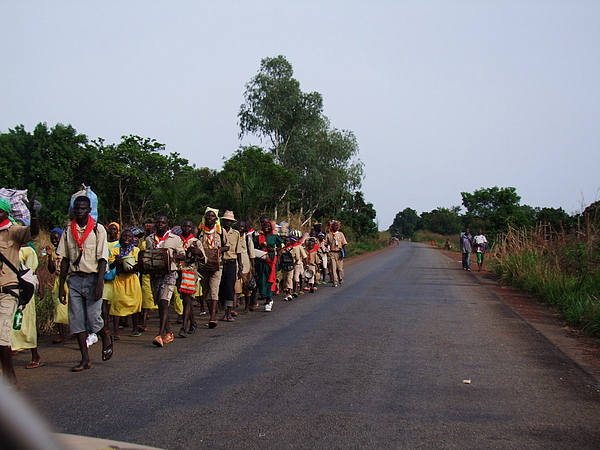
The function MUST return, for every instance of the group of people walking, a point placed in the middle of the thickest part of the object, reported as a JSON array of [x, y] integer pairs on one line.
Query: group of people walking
[[472, 244], [107, 277]]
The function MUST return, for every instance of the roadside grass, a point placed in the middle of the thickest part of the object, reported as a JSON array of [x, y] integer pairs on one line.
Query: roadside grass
[[366, 245], [437, 240], [563, 270]]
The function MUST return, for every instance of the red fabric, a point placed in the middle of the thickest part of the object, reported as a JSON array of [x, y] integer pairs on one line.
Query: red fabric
[[4, 223], [86, 232]]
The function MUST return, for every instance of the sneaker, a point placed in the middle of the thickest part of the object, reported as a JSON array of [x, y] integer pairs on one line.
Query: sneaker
[[158, 341], [269, 306], [193, 328], [183, 333], [334, 285], [168, 338], [295, 295], [91, 339], [341, 281], [202, 313]]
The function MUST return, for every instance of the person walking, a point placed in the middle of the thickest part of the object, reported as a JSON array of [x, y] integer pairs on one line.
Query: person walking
[[12, 236], [480, 243], [84, 248], [466, 247]]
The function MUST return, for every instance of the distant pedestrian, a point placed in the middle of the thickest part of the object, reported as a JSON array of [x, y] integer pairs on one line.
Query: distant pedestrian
[[466, 247], [480, 243]]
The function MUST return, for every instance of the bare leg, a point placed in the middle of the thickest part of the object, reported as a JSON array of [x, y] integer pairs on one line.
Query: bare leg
[[8, 369]]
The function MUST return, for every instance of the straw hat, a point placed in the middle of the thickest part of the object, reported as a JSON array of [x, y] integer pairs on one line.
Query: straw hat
[[228, 215]]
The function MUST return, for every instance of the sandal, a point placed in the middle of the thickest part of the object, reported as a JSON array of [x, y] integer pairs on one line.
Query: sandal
[[79, 367], [211, 324], [245, 313], [59, 341], [108, 351], [34, 365]]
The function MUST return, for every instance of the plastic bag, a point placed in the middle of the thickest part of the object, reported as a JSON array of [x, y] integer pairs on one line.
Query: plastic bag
[[86, 191], [18, 209]]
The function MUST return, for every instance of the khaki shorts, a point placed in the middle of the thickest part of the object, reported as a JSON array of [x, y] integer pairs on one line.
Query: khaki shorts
[[210, 284], [8, 307], [163, 287]]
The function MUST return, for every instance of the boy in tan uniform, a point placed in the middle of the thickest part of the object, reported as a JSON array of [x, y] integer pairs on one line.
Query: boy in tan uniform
[[336, 241]]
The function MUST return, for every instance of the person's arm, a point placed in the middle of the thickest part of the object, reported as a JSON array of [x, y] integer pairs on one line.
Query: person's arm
[[64, 269], [51, 263], [33, 206]]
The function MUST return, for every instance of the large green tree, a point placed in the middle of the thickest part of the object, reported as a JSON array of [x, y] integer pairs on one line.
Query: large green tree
[[50, 162], [251, 183], [495, 209], [405, 223], [442, 220], [301, 138]]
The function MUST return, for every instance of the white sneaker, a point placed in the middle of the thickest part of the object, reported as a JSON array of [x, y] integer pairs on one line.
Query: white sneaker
[[269, 306], [334, 285], [91, 339]]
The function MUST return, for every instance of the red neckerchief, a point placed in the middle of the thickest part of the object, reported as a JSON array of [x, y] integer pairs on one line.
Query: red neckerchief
[[158, 239], [186, 240], [89, 226], [4, 223], [295, 244]]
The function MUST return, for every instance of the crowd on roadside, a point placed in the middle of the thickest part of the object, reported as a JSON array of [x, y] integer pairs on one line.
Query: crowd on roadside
[[108, 279]]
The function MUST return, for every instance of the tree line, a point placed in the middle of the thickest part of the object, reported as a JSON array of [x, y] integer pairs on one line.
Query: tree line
[[306, 169], [495, 210]]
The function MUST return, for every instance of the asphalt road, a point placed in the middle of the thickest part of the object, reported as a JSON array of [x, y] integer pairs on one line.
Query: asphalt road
[[378, 362]]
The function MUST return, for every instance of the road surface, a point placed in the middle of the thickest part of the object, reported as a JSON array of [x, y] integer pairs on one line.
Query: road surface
[[410, 352]]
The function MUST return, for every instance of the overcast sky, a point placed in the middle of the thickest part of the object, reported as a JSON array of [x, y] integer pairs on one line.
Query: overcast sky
[[443, 96]]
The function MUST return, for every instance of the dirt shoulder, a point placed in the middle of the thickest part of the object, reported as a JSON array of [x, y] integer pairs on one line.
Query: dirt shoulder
[[585, 351]]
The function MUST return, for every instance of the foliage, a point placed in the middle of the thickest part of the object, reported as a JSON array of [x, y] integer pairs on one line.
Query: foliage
[[301, 139], [47, 162], [405, 223], [495, 210], [131, 176], [442, 221], [359, 216], [252, 184], [561, 269]]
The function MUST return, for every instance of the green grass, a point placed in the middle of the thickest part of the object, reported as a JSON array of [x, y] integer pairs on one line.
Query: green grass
[[563, 273]]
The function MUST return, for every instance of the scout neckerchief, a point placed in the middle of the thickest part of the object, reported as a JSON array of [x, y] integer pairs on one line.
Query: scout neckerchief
[[159, 241], [5, 224], [89, 226], [210, 236], [186, 240]]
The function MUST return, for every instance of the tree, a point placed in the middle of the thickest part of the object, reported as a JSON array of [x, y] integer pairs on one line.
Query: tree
[[495, 210], [251, 183], [405, 223], [47, 162], [442, 220], [302, 140], [132, 177], [275, 108], [359, 216]]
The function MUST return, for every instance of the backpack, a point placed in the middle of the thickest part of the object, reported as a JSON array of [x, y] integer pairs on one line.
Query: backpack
[[286, 261], [28, 282]]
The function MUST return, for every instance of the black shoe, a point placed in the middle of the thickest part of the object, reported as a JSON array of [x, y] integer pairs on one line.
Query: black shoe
[[183, 333], [193, 327]]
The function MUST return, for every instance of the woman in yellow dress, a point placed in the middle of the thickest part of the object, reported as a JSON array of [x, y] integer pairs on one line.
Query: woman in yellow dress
[[26, 337], [127, 291]]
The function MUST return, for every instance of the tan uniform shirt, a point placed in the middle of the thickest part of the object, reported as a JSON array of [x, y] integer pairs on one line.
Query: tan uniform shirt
[[233, 240], [95, 248], [11, 240]]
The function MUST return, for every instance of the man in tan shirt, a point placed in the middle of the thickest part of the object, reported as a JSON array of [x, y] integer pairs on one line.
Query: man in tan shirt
[[336, 242], [84, 248], [12, 236], [232, 266]]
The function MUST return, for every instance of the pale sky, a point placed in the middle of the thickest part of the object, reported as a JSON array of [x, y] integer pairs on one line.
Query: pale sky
[[443, 96]]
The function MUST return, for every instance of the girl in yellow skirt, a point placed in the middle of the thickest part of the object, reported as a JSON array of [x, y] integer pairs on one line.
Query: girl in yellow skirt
[[127, 292], [61, 312]]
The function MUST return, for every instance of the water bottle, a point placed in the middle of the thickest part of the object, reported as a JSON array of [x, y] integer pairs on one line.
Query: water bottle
[[18, 319]]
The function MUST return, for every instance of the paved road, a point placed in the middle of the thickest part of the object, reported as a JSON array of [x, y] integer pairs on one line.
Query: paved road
[[378, 362]]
